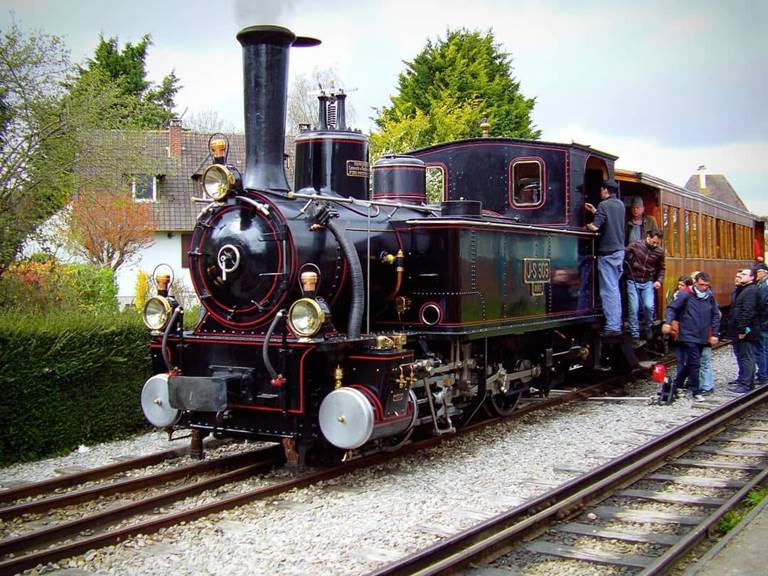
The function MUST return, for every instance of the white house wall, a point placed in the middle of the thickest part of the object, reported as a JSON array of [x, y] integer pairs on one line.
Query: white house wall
[[165, 250]]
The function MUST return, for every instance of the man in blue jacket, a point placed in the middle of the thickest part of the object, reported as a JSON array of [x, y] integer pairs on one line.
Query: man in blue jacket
[[699, 319]]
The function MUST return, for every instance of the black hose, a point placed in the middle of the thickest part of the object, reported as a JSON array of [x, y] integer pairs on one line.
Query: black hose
[[168, 328], [265, 347], [356, 276]]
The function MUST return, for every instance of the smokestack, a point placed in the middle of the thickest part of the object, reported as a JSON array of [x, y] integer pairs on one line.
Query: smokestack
[[265, 78]]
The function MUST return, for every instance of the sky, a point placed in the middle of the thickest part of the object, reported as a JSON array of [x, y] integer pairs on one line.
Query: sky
[[665, 85]]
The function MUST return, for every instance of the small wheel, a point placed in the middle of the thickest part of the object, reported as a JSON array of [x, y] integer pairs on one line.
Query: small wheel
[[502, 404]]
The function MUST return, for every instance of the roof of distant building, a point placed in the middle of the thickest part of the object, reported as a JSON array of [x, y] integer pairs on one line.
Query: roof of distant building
[[715, 186]]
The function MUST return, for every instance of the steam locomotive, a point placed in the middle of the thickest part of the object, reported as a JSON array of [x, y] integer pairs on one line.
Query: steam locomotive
[[337, 322]]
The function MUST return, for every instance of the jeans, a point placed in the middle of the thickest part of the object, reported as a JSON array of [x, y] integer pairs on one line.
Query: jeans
[[747, 350], [692, 354], [639, 293], [609, 267], [706, 381], [762, 358]]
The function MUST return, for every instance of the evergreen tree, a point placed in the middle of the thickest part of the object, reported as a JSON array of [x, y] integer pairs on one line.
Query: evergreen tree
[[143, 105], [448, 89]]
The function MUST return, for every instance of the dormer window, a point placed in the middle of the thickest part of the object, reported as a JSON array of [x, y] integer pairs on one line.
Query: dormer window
[[527, 183], [144, 188]]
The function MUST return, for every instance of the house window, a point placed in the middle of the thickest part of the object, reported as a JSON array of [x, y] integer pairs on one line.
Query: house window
[[527, 183], [144, 188]]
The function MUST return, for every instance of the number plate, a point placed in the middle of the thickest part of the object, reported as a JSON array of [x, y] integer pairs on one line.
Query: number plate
[[536, 270]]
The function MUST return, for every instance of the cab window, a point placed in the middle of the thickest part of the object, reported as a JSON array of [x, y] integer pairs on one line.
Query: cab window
[[527, 183]]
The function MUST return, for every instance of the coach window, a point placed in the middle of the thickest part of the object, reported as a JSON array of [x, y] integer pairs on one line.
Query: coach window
[[743, 241], [695, 236], [435, 184], [527, 183], [671, 231], [708, 251]]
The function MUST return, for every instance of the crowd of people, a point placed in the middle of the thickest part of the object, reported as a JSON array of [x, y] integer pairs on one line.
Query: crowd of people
[[692, 318]]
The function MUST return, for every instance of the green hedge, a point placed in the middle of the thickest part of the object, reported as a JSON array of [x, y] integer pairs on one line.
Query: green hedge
[[69, 379]]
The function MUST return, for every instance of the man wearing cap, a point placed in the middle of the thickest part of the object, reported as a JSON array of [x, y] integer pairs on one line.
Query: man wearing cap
[[761, 275], [639, 223], [609, 221]]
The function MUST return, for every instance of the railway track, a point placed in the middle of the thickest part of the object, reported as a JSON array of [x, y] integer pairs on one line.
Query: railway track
[[603, 517], [31, 545]]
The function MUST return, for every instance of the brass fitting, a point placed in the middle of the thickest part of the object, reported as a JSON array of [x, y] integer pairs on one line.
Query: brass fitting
[[338, 375]]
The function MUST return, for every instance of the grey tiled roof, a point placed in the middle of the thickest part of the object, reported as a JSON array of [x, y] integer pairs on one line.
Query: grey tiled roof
[[174, 209], [122, 153], [717, 187]]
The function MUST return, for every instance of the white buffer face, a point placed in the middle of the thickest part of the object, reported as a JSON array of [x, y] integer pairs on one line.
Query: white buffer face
[[346, 418], [155, 403]]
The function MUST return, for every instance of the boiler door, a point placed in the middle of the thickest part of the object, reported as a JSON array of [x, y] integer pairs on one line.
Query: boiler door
[[346, 418], [238, 263]]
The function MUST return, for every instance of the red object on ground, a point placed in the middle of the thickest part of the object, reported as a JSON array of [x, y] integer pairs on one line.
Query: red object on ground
[[659, 373]]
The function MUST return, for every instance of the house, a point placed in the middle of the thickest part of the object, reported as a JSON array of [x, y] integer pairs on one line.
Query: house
[[168, 176], [715, 186]]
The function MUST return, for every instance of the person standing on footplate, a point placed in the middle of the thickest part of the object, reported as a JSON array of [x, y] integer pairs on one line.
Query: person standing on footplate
[[609, 221], [645, 267]]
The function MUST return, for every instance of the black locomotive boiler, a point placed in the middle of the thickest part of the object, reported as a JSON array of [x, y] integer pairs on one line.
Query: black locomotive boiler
[[337, 322]]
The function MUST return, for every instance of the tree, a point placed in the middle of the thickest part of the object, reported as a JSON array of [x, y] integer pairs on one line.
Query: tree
[[42, 130], [208, 122], [144, 105], [448, 89], [108, 227]]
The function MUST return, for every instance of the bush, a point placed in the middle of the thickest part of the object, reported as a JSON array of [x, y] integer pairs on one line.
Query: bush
[[141, 290], [45, 285], [69, 379]]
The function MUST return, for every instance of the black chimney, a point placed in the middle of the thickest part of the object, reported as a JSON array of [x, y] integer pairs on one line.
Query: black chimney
[[265, 78]]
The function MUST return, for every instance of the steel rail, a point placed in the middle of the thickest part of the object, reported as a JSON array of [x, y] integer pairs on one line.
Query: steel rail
[[93, 474], [25, 541], [132, 484], [570, 498]]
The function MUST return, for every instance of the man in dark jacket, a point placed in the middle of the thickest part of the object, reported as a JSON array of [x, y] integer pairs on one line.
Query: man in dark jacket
[[644, 261], [761, 279], [699, 319], [744, 329], [609, 221]]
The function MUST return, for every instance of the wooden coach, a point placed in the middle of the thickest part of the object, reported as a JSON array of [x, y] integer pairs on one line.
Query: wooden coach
[[700, 233]]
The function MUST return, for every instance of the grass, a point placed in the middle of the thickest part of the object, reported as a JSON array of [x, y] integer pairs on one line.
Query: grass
[[732, 518]]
